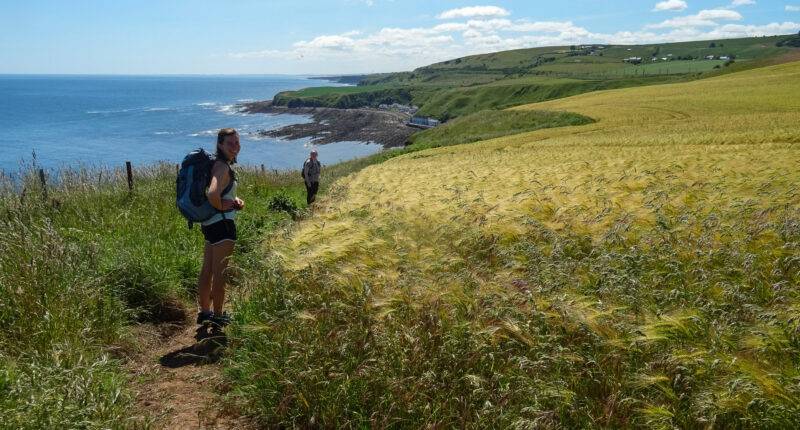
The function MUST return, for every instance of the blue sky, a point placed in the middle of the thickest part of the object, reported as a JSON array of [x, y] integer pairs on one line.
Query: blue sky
[[345, 36]]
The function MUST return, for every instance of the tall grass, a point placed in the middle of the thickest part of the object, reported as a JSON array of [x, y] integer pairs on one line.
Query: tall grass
[[640, 271], [77, 268]]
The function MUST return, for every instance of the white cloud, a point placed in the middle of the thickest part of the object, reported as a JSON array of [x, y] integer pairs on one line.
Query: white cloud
[[544, 26], [474, 12], [705, 18], [471, 34], [393, 49], [737, 3], [673, 5], [730, 31], [793, 8]]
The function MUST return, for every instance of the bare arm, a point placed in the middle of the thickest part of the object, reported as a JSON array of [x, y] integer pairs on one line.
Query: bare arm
[[219, 179], [305, 175]]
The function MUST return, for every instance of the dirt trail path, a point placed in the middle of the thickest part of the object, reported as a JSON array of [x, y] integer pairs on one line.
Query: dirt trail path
[[176, 376]]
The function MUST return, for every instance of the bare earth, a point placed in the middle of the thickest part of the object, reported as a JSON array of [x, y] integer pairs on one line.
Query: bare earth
[[330, 125], [176, 375]]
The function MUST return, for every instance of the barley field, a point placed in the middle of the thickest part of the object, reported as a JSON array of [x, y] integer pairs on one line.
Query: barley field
[[640, 271]]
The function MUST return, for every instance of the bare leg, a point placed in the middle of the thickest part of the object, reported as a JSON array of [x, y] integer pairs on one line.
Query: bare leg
[[204, 280], [219, 262]]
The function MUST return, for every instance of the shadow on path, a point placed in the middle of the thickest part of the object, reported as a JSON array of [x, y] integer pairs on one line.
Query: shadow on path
[[208, 350]]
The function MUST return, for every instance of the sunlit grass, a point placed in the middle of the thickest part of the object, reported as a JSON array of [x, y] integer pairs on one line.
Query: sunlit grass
[[79, 267], [641, 271]]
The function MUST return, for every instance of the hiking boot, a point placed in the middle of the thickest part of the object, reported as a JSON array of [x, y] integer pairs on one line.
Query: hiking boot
[[221, 320], [205, 317]]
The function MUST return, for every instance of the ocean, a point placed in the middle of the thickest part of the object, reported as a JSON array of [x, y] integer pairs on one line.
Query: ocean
[[108, 120]]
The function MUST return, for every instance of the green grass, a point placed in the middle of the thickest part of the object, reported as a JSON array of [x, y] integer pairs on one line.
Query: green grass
[[485, 125], [640, 271], [671, 67], [78, 269], [325, 91], [456, 102], [81, 267], [462, 86], [635, 324]]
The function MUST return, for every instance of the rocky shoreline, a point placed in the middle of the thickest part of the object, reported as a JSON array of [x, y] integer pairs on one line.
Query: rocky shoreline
[[383, 127]]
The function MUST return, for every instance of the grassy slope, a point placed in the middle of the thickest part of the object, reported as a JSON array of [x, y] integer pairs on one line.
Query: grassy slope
[[466, 85], [638, 271]]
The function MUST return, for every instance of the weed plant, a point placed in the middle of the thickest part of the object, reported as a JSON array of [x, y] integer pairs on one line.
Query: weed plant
[[637, 272], [77, 268]]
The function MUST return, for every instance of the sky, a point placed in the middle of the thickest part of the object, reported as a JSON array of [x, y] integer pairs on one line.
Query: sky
[[320, 37]]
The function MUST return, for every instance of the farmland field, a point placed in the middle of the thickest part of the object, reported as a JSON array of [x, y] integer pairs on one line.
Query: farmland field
[[460, 86], [672, 67], [621, 69], [639, 271]]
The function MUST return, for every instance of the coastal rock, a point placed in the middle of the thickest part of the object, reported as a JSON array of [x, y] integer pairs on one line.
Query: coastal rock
[[383, 127]]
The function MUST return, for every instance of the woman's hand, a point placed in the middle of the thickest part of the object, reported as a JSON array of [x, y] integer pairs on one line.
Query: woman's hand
[[238, 204], [228, 205]]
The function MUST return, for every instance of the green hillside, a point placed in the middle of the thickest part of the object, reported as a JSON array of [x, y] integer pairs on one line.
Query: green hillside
[[462, 86]]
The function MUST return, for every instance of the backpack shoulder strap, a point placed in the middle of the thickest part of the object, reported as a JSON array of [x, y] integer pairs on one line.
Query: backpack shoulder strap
[[231, 179]]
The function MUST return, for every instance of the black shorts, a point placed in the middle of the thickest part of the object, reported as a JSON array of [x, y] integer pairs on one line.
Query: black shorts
[[220, 231]]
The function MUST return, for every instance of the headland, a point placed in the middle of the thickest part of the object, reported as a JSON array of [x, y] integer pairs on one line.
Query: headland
[[384, 127]]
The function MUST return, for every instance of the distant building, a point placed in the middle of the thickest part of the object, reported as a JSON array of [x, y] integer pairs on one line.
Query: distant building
[[724, 57], [709, 57], [425, 121]]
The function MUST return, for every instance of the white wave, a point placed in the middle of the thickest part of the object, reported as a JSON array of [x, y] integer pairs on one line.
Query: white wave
[[227, 109], [204, 133], [206, 104], [157, 109], [245, 100], [161, 132], [103, 112]]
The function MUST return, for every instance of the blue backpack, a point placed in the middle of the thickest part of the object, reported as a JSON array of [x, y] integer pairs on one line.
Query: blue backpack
[[193, 180]]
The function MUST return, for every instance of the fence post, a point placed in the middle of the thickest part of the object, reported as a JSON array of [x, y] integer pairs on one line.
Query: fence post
[[44, 185], [262, 168], [276, 171], [130, 176], [177, 169]]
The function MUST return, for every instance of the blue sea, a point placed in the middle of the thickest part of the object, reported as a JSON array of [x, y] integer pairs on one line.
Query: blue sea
[[108, 120]]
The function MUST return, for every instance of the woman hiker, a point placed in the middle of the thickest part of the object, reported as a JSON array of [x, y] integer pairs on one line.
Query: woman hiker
[[311, 169], [219, 231]]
